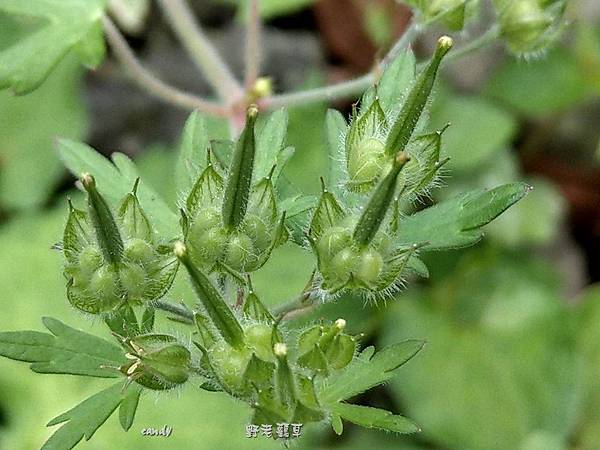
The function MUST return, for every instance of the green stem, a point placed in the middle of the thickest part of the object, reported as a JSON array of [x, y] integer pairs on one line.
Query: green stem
[[200, 49], [146, 80], [344, 89], [253, 55], [181, 311]]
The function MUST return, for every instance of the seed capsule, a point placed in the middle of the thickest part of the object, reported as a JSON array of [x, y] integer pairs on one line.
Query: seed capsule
[[158, 361], [406, 122]]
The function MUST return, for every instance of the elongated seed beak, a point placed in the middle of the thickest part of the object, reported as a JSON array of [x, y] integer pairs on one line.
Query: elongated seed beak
[[88, 181], [280, 349], [179, 250], [252, 111], [444, 44]]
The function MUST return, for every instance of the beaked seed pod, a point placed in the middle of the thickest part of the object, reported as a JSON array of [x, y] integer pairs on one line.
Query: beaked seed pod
[[157, 361], [113, 259], [233, 225], [219, 313]]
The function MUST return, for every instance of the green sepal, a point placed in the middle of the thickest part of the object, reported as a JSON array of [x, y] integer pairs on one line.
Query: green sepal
[[214, 304], [160, 363], [285, 384], [133, 219], [327, 214], [147, 322], [424, 164], [123, 321], [337, 424], [77, 234], [106, 230], [206, 334], [405, 123], [314, 360], [259, 374], [205, 191], [303, 414], [254, 309], [239, 177], [340, 351], [376, 209]]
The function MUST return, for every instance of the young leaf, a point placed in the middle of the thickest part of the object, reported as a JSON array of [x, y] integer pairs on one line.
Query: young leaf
[[115, 181], [367, 371], [396, 79], [335, 126], [129, 406], [456, 223], [67, 24], [368, 417], [192, 153], [270, 140], [66, 350], [84, 419]]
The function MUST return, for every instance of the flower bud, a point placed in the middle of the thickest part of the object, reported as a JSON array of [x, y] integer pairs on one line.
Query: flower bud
[[157, 361]]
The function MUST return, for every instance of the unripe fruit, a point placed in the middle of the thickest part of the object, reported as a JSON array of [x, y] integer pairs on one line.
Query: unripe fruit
[[258, 338], [230, 363], [104, 282], [258, 231], [239, 251], [205, 219], [133, 280], [332, 241], [344, 263], [369, 266], [366, 160], [139, 251], [209, 245], [90, 259]]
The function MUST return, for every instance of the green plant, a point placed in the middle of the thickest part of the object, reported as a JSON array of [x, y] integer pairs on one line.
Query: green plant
[[123, 251]]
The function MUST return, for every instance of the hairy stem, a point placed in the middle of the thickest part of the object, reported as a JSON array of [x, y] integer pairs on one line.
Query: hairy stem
[[200, 49], [345, 88], [146, 80], [180, 311], [482, 41], [253, 55]]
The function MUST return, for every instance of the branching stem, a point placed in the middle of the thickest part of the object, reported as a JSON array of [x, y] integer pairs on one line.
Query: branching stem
[[149, 82], [200, 49], [345, 88]]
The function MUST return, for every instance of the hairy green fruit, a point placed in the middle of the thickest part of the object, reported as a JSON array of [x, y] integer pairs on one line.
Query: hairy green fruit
[[258, 338], [230, 364]]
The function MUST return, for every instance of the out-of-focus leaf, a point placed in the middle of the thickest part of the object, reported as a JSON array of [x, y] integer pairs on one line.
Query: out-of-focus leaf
[[456, 223], [500, 369], [66, 350], [29, 166], [477, 129], [67, 25], [541, 87], [191, 158], [374, 418]]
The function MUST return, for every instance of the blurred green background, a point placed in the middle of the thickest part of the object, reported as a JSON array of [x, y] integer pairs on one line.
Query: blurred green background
[[512, 325]]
